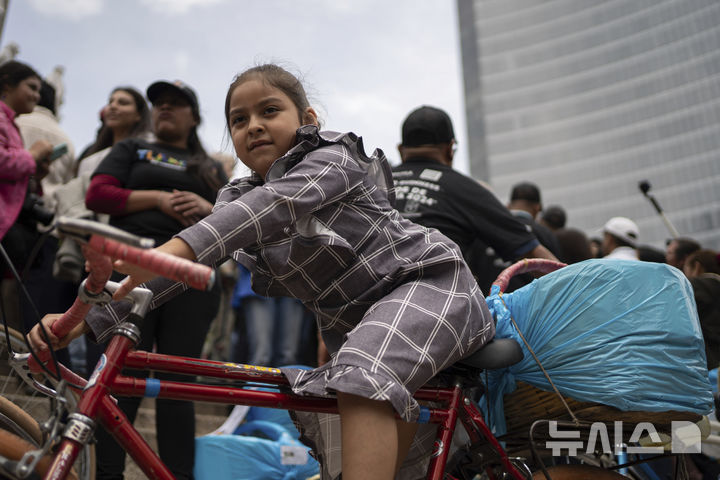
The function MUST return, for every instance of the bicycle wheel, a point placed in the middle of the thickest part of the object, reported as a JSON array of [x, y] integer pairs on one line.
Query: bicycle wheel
[[19, 421], [13, 387], [25, 408], [16, 422], [13, 448]]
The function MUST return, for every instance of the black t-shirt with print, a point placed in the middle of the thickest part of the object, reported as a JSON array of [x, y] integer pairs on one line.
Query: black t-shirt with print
[[143, 165], [435, 195]]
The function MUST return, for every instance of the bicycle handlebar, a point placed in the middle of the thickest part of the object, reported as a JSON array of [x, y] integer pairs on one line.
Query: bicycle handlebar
[[104, 244], [196, 275], [99, 274], [541, 265]]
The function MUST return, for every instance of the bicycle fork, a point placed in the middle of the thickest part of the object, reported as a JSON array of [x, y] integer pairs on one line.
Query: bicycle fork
[[96, 402]]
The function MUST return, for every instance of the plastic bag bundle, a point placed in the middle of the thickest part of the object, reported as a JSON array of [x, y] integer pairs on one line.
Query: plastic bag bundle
[[616, 332], [259, 450]]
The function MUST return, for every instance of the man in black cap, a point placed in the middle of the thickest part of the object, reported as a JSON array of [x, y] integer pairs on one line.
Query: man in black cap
[[429, 192], [177, 87]]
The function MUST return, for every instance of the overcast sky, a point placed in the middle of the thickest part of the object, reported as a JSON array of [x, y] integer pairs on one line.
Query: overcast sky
[[365, 63]]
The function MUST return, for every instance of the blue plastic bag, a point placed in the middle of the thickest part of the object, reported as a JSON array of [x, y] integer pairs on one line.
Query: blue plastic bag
[[621, 333], [260, 451]]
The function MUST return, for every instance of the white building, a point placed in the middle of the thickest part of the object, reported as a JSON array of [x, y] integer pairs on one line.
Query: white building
[[586, 98]]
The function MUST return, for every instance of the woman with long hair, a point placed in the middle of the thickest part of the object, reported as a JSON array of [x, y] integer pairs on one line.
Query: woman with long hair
[[126, 115], [154, 189]]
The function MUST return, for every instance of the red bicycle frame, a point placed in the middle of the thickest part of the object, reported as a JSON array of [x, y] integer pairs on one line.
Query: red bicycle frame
[[96, 403], [450, 404]]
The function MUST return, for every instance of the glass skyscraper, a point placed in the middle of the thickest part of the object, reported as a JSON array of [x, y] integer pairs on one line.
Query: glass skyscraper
[[586, 98]]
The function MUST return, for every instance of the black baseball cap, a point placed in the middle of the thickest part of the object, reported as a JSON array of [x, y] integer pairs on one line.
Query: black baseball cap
[[157, 88], [427, 126]]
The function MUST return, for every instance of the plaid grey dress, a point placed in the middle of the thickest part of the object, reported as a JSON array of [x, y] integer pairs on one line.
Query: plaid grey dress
[[394, 301]]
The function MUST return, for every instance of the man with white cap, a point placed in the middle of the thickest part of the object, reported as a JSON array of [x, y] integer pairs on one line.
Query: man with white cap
[[620, 235]]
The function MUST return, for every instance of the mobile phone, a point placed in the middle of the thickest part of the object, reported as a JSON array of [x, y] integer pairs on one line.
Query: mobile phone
[[59, 150]]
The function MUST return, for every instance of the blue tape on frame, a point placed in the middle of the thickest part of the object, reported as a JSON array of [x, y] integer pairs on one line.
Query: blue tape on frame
[[152, 387], [424, 416]]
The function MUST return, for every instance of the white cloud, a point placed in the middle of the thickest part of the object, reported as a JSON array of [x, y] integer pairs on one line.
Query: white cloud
[[177, 7], [362, 102], [182, 62], [69, 9]]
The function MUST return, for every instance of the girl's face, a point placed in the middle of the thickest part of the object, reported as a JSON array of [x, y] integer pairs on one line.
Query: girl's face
[[172, 118], [263, 121], [23, 97], [121, 112]]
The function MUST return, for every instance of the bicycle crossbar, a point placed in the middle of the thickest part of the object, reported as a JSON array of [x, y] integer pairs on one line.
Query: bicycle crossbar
[[448, 404]]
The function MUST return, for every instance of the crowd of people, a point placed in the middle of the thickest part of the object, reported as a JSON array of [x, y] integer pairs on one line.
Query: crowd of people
[[338, 253]]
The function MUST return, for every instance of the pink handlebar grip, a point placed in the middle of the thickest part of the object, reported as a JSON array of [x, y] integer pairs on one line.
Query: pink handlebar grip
[[99, 253], [169, 266], [541, 265], [100, 271]]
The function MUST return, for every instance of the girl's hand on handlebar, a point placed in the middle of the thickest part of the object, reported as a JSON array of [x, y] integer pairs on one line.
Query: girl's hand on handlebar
[[135, 277], [37, 338]]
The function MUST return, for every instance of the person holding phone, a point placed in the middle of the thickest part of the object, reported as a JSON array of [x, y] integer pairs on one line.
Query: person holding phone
[[19, 93], [20, 171], [42, 124]]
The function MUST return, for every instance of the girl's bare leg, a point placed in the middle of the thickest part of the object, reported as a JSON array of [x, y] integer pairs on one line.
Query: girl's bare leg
[[369, 438], [406, 434]]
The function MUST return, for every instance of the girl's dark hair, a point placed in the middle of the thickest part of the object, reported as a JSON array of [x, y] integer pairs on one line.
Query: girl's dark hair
[[14, 72], [276, 77], [104, 137]]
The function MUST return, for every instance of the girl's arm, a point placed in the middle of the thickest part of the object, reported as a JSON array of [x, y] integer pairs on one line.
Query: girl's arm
[[101, 320], [244, 218], [136, 275]]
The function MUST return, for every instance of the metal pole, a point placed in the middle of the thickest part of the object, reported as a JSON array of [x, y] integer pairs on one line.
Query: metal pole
[[645, 189]]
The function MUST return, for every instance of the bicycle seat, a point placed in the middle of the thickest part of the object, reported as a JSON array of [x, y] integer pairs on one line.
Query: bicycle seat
[[497, 353]]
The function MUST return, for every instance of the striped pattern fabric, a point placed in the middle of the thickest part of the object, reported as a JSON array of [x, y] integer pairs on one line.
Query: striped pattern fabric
[[394, 301]]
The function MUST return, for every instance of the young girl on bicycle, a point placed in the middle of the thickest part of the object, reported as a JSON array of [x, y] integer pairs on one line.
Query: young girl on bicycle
[[394, 301]]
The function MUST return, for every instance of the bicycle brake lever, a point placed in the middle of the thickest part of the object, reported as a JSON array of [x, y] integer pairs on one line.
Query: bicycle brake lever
[[81, 230], [19, 363]]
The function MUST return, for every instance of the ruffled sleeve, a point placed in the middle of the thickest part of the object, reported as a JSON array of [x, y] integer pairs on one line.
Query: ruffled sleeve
[[321, 169]]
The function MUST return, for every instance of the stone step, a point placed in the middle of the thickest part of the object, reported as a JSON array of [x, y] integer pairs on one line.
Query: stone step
[[206, 419]]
